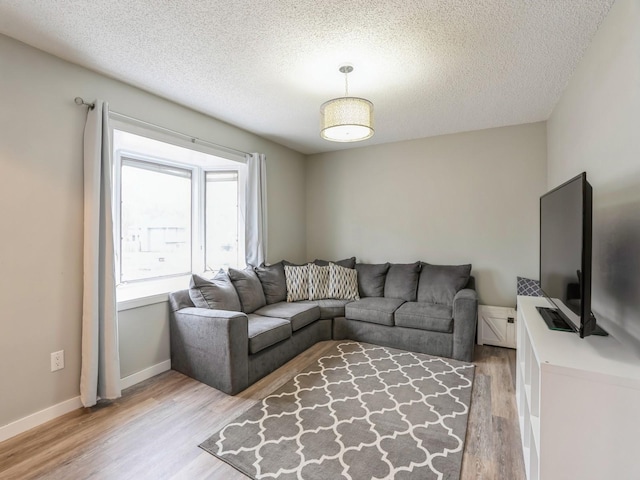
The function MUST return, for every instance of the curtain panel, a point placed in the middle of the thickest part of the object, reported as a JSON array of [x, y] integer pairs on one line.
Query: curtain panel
[[100, 371], [256, 219]]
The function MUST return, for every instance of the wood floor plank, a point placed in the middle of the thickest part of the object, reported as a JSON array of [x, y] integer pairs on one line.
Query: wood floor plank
[[154, 430]]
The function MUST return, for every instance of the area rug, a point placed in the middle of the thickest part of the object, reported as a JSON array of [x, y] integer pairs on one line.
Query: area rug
[[360, 412]]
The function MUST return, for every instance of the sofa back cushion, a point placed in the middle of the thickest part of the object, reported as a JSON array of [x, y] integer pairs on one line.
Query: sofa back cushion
[[402, 281], [273, 282], [371, 279], [346, 263], [249, 289], [440, 283], [217, 293]]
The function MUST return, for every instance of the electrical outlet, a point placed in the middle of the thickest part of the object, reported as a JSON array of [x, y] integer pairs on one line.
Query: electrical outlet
[[57, 360]]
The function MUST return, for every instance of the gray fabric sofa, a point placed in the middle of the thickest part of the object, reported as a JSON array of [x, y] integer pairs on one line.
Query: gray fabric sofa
[[418, 307], [231, 331]]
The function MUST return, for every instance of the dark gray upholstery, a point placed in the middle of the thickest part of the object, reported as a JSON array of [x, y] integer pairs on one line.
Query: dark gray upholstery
[[269, 359], [266, 331], [211, 346], [373, 309], [346, 263], [440, 283], [297, 313], [371, 279], [329, 307], [231, 350], [217, 293], [402, 281], [249, 289], [179, 300], [273, 282], [414, 340], [425, 316], [465, 314]]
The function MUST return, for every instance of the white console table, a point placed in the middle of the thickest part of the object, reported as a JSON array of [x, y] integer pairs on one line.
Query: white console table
[[578, 402]]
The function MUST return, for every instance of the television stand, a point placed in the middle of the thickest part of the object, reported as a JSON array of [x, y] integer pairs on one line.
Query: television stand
[[555, 322], [577, 402]]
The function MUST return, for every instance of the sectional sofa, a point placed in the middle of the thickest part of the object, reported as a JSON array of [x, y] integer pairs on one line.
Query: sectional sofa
[[234, 329]]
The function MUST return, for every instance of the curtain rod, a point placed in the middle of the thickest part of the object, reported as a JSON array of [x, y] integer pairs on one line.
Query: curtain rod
[[80, 101]]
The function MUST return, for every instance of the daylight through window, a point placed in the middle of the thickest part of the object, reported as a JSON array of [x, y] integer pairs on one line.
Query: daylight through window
[[177, 210]]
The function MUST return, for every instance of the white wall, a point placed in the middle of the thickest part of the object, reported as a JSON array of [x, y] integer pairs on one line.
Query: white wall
[[463, 198], [41, 220], [596, 128]]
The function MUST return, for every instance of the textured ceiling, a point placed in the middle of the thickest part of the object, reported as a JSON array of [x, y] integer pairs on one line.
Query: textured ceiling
[[429, 66]]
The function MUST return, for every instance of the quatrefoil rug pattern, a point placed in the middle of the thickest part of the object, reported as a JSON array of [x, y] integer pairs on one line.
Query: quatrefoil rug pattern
[[360, 412]]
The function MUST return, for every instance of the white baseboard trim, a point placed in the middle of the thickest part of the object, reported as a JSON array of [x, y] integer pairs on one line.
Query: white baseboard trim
[[30, 421], [38, 418], [143, 375]]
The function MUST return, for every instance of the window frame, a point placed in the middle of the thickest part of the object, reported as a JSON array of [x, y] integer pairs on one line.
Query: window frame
[[164, 283]]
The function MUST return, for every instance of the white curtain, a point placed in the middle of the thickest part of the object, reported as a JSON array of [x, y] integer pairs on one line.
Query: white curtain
[[256, 219], [100, 373]]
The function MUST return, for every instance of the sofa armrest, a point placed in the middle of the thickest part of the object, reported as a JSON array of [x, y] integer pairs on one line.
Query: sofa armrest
[[465, 318], [211, 346]]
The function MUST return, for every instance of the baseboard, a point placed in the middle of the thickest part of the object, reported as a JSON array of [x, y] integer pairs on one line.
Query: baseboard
[[38, 418], [26, 423], [143, 375]]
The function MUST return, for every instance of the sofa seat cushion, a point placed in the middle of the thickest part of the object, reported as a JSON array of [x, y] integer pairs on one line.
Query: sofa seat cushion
[[266, 331], [373, 309], [329, 307], [425, 316], [300, 314]]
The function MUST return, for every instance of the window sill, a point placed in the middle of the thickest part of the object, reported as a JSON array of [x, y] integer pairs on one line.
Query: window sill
[[136, 295]]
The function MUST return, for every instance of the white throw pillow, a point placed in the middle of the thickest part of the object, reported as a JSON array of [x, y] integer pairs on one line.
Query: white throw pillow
[[343, 283], [297, 279], [318, 282]]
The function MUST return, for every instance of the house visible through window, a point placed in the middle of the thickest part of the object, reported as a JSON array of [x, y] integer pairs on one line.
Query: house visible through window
[[178, 210]]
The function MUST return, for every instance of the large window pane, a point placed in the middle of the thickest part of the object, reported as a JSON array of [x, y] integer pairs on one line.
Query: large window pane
[[155, 221], [221, 220]]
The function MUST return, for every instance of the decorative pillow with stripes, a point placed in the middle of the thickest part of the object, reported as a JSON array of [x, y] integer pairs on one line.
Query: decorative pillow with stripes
[[318, 282], [343, 283], [297, 279]]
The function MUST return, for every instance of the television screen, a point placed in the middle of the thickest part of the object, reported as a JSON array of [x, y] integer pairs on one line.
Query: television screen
[[565, 255]]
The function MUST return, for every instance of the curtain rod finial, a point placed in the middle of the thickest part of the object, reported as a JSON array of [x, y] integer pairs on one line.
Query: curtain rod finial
[[80, 101]]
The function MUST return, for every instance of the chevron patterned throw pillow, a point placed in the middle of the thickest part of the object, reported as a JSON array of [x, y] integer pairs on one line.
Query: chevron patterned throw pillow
[[343, 283], [318, 282], [297, 279]]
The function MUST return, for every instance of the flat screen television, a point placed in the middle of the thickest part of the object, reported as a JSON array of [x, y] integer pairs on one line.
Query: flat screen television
[[565, 257]]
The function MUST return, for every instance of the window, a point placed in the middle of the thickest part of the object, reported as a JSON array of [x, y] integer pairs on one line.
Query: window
[[221, 219], [155, 220], [177, 210]]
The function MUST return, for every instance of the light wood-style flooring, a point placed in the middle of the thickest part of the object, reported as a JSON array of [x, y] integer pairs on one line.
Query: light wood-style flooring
[[154, 430]]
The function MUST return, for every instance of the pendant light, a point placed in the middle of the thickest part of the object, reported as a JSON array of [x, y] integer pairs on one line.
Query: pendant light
[[346, 119]]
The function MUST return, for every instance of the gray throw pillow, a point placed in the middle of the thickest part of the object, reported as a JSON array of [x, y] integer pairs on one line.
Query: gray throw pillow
[[217, 293], [440, 283], [371, 279], [402, 281], [273, 282], [249, 289], [528, 287], [346, 263]]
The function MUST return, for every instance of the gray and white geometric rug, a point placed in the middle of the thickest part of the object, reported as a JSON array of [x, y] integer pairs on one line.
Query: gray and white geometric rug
[[360, 412]]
